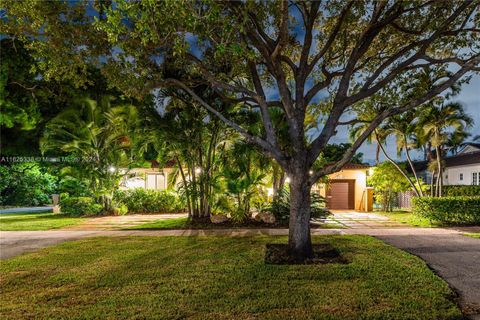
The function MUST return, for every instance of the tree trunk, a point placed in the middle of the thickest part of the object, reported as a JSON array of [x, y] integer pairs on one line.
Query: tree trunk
[[399, 169], [440, 175], [440, 171], [299, 241], [432, 186], [409, 159]]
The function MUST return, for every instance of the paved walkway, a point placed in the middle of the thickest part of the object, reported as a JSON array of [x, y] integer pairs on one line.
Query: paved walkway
[[120, 222], [361, 220]]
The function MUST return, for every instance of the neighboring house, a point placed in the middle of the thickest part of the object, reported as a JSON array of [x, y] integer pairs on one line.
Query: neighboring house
[[460, 169], [347, 189], [154, 178]]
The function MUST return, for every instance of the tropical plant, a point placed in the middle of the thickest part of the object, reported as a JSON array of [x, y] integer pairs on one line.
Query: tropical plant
[[243, 171], [387, 181], [98, 136], [436, 122], [280, 206]]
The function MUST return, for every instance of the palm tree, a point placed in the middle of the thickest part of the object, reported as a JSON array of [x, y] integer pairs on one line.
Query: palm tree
[[99, 136], [437, 123], [403, 128]]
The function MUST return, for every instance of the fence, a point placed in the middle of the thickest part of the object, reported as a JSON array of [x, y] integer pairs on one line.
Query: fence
[[405, 199]]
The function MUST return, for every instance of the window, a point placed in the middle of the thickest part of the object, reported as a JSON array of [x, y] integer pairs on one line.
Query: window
[[461, 176], [476, 178]]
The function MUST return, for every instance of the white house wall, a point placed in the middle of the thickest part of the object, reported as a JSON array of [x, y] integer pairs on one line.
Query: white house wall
[[451, 175]]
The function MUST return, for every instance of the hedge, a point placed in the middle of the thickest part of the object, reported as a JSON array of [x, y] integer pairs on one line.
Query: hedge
[[448, 210], [149, 201], [80, 206], [465, 190]]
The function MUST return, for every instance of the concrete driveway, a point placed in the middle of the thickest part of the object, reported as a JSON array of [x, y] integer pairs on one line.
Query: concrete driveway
[[455, 258]]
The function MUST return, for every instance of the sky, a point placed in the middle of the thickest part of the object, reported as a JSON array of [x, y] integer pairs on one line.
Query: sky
[[469, 97]]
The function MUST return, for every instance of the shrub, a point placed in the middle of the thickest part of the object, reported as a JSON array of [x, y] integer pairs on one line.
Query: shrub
[[73, 186], [149, 201], [80, 206], [25, 184], [453, 191], [448, 210], [280, 206], [120, 210]]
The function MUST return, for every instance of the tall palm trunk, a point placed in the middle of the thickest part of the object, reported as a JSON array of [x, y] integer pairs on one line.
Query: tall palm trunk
[[398, 168], [407, 153], [187, 192], [440, 173]]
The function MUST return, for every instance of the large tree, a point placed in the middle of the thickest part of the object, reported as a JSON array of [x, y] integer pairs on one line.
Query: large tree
[[313, 61]]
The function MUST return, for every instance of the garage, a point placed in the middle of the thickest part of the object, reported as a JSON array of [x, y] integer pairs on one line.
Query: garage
[[341, 194]]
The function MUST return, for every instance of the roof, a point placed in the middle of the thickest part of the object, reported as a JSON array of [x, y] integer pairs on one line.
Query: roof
[[470, 147], [453, 161], [350, 166]]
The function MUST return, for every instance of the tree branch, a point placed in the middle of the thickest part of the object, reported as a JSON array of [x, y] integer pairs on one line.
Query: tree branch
[[265, 145]]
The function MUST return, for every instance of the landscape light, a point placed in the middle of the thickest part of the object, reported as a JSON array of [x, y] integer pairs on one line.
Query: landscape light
[[287, 180], [111, 169]]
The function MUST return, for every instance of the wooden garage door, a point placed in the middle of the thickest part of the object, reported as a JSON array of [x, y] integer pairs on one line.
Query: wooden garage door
[[340, 195]]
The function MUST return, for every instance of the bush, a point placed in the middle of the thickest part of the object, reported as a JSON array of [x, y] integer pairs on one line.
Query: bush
[[149, 201], [120, 210], [74, 187], [448, 210], [454, 191], [80, 206], [26, 184], [280, 206]]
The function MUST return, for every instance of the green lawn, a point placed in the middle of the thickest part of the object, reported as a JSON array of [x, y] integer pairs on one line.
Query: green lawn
[[35, 221], [473, 235], [408, 218], [218, 278], [183, 223], [176, 223]]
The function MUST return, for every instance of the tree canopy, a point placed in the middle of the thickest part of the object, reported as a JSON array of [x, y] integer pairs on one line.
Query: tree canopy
[[314, 62]]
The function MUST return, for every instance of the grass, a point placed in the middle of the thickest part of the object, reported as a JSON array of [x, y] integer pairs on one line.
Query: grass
[[176, 223], [473, 235], [409, 218], [35, 221], [184, 223], [218, 278]]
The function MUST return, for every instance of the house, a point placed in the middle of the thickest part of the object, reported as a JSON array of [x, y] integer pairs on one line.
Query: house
[[460, 169], [347, 189], [154, 178]]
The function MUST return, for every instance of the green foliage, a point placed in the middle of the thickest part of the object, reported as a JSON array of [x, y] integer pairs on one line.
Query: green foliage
[[26, 184], [149, 201], [280, 206], [387, 181], [461, 190], [120, 210], [448, 210], [334, 152], [80, 206], [18, 102], [74, 187], [98, 136]]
